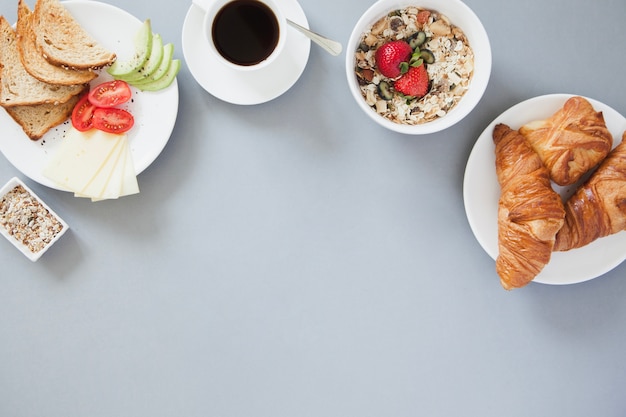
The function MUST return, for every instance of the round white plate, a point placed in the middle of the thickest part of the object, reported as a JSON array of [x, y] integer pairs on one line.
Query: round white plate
[[248, 87], [154, 112], [481, 192]]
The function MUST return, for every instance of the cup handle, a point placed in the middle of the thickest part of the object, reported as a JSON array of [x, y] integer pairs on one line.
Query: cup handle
[[203, 4]]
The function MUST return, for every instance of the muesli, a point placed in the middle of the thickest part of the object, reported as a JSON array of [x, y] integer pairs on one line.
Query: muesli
[[450, 67], [27, 220]]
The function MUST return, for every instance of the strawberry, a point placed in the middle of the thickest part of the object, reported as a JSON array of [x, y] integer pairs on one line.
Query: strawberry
[[414, 83], [390, 55]]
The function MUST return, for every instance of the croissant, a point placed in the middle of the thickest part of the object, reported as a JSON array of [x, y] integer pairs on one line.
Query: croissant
[[530, 212], [571, 142], [598, 207]]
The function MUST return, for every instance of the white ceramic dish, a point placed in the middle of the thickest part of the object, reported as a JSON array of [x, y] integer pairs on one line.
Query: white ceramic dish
[[33, 256], [461, 16], [246, 87], [481, 192], [154, 112]]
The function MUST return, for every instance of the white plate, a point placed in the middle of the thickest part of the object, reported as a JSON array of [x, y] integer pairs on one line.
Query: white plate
[[154, 112], [249, 87], [481, 192]]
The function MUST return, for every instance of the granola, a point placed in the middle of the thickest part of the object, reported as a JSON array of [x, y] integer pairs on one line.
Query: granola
[[450, 74], [27, 220]]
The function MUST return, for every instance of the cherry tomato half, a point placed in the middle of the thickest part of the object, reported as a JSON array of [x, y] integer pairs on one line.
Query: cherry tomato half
[[82, 114], [112, 120], [110, 94]]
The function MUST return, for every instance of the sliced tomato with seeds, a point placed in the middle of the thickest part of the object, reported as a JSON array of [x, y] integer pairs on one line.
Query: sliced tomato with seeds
[[110, 94], [82, 114], [112, 120]]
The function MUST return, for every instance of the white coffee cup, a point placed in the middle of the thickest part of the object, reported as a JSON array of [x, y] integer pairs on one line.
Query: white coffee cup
[[245, 35]]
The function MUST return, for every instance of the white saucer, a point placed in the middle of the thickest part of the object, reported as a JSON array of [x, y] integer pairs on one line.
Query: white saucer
[[252, 87]]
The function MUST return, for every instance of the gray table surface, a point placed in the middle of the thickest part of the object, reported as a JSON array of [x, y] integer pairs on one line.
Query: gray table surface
[[294, 259]]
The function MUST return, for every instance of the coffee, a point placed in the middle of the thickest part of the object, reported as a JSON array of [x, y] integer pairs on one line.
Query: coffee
[[245, 32]]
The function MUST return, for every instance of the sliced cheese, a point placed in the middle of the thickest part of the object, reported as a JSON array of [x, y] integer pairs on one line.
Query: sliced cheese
[[80, 158], [129, 183], [123, 181], [94, 164], [113, 186], [98, 184]]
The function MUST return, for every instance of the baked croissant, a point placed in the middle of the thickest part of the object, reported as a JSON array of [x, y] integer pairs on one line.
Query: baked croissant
[[571, 142], [598, 207], [530, 212]]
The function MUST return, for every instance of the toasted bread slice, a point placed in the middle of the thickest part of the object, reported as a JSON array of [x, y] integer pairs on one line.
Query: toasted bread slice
[[34, 62], [63, 41], [17, 86], [38, 119]]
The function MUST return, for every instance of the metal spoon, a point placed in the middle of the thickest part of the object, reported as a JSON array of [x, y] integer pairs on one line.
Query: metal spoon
[[329, 45]]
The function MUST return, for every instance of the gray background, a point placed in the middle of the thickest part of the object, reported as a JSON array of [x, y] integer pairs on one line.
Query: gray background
[[295, 259]]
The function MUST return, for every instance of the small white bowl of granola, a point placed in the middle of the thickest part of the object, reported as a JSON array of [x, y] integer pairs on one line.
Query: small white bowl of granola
[[26, 221], [432, 83]]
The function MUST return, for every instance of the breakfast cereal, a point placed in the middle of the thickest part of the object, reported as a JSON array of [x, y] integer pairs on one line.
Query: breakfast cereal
[[450, 74], [27, 220]]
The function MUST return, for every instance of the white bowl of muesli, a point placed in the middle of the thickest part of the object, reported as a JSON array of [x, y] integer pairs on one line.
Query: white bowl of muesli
[[418, 67], [26, 221]]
